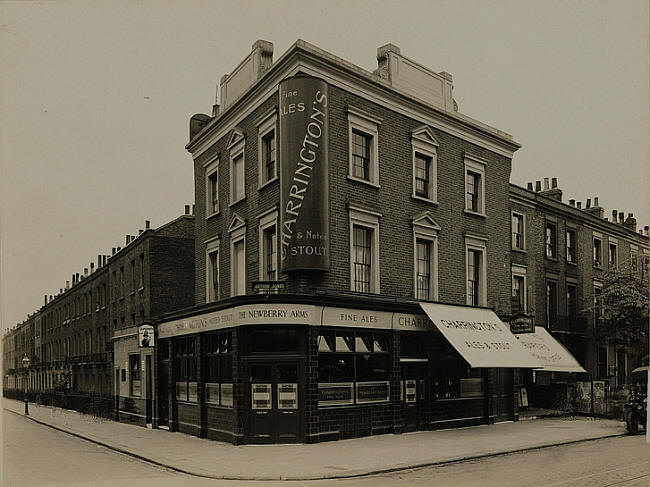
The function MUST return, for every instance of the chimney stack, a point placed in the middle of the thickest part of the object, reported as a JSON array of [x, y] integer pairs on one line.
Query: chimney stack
[[630, 222], [147, 224], [92, 267], [553, 183], [60, 290], [596, 210], [538, 186], [546, 187], [51, 298], [614, 215], [572, 203], [67, 285], [646, 230], [187, 209], [530, 186]]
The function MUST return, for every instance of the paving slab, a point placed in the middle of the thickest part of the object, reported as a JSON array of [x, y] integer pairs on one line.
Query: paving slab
[[335, 459]]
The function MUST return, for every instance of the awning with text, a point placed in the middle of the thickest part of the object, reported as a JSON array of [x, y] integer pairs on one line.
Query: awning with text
[[549, 352]]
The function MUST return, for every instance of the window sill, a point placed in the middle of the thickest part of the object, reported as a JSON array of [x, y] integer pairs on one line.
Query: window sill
[[132, 293], [599, 267], [474, 213], [140, 289], [521, 251], [572, 263], [268, 183], [216, 213], [552, 259], [237, 201], [363, 181], [422, 198]]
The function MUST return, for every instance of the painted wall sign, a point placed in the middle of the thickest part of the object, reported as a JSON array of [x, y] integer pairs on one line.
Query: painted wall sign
[[357, 317], [408, 322], [304, 198]]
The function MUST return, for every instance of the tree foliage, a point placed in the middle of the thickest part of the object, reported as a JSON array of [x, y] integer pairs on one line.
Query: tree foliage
[[625, 301]]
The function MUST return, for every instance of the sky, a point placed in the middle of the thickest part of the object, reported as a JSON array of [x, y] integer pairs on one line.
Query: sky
[[95, 101]]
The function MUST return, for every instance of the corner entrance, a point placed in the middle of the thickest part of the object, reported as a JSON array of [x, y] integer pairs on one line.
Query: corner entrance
[[273, 402]]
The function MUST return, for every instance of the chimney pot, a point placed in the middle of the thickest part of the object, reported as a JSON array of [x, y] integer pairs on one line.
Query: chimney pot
[[614, 215], [187, 209], [85, 271], [92, 267], [128, 239], [595, 200], [572, 202], [538, 186], [67, 285], [621, 217], [630, 215], [99, 261], [530, 186], [46, 299], [147, 224], [588, 205], [113, 251], [546, 184], [579, 204], [119, 248], [140, 232], [554, 183]]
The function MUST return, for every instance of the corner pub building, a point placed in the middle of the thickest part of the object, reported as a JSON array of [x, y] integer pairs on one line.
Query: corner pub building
[[337, 209]]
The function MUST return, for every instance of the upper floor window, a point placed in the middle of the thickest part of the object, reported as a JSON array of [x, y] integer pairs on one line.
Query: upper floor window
[[363, 146], [474, 185], [519, 295], [571, 246], [598, 302], [212, 270], [268, 246], [425, 253], [364, 250], [597, 251], [613, 254], [237, 232], [634, 259], [267, 153], [122, 281], [571, 301], [237, 166], [551, 240], [212, 188], [134, 276], [141, 283], [425, 163], [475, 271], [518, 233], [551, 303]]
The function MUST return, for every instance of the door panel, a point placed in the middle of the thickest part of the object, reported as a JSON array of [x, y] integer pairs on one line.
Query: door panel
[[274, 402], [413, 394]]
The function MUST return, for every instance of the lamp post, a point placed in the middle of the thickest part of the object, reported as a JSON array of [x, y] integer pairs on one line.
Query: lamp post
[[25, 366]]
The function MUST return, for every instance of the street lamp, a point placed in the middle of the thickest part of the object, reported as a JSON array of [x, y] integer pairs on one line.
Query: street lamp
[[25, 366]]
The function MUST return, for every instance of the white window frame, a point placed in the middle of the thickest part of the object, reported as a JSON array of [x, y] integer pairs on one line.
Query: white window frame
[[520, 271], [599, 237], [425, 228], [237, 234], [266, 125], [476, 165], [423, 142], [211, 167], [368, 125], [598, 285], [479, 244], [266, 220], [566, 245], [363, 217], [612, 242], [211, 247], [237, 150], [523, 231]]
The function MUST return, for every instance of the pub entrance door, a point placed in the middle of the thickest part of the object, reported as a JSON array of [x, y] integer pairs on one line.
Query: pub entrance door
[[504, 401], [414, 376], [274, 400]]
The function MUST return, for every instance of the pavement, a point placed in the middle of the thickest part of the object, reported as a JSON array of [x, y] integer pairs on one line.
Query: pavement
[[335, 459]]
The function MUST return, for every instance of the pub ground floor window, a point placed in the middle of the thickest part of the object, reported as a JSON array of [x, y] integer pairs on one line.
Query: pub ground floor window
[[452, 376], [353, 367], [218, 369], [185, 368]]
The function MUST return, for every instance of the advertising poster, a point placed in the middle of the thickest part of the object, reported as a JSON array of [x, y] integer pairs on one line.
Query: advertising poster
[[304, 197]]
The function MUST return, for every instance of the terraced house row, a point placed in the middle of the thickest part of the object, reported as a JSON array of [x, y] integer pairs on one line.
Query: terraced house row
[[357, 254]]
